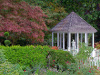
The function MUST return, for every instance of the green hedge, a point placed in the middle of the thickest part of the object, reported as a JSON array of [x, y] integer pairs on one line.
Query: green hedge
[[35, 55], [27, 55], [6, 68]]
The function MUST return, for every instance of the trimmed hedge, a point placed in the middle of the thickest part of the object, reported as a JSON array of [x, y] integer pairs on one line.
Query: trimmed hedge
[[35, 55], [6, 68], [27, 55]]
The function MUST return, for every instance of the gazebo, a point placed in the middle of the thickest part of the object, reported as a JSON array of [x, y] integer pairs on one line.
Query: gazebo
[[72, 25]]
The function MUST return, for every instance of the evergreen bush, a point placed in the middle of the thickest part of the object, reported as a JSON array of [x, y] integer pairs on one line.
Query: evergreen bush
[[6, 68], [6, 34], [31, 56], [7, 42], [60, 58]]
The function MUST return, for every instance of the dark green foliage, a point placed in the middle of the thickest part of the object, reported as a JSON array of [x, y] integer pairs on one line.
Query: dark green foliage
[[7, 42], [59, 57], [6, 34], [22, 42], [2, 40]]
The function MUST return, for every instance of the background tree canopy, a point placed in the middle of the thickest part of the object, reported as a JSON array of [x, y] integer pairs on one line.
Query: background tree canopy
[[56, 10]]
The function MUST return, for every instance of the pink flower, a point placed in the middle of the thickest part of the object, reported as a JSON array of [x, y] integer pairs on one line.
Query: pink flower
[[24, 70], [67, 62], [90, 71], [79, 67], [54, 60]]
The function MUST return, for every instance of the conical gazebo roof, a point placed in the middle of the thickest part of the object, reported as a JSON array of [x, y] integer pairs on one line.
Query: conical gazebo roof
[[74, 24]]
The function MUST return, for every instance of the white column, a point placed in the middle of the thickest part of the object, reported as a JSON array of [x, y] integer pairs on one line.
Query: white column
[[93, 40], [60, 40], [76, 39], [81, 37], [86, 39], [63, 41], [77, 42], [69, 41], [52, 39], [57, 39]]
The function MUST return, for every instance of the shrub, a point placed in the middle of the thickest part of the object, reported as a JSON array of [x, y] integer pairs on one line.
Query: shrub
[[84, 52], [59, 57], [6, 34], [55, 48], [97, 45], [6, 68], [84, 71], [7, 42], [2, 40], [22, 42], [27, 55], [2, 57], [32, 56]]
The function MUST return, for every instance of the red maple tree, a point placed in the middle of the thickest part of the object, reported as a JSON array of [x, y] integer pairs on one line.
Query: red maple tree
[[22, 20]]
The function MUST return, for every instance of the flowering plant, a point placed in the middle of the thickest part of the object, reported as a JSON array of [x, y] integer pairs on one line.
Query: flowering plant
[[97, 45], [55, 48]]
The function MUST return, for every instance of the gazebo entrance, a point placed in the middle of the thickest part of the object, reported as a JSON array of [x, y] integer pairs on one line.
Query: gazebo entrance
[[70, 32]]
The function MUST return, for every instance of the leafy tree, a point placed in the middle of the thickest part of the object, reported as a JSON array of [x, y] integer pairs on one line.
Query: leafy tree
[[89, 10], [56, 10], [22, 20], [55, 13]]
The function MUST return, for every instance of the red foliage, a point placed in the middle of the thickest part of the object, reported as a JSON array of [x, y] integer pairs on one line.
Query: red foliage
[[22, 20], [55, 48], [97, 45]]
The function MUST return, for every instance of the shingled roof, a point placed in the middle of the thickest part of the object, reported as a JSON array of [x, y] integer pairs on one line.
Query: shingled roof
[[74, 24]]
